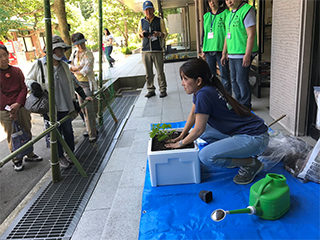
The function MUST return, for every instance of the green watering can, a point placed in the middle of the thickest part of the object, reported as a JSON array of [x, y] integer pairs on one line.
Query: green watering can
[[269, 199]]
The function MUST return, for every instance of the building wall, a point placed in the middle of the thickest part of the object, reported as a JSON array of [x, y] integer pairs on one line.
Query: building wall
[[285, 61], [192, 26]]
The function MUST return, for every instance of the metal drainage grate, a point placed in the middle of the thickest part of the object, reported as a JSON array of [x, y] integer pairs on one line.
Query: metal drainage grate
[[55, 210]]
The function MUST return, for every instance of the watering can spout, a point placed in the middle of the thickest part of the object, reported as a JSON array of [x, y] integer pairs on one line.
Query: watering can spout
[[269, 199], [220, 214], [250, 210]]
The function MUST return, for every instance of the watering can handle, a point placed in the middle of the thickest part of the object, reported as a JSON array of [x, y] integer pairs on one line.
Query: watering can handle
[[260, 190], [262, 186]]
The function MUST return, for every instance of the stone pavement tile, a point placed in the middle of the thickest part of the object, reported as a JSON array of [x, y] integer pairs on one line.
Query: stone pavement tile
[[91, 225], [126, 138], [117, 160], [134, 171], [141, 101], [104, 192], [142, 136], [140, 146], [173, 114], [145, 122], [137, 112], [124, 218], [152, 110]]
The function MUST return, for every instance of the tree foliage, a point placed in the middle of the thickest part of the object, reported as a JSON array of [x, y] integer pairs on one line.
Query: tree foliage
[[14, 13], [119, 19], [82, 15], [86, 8]]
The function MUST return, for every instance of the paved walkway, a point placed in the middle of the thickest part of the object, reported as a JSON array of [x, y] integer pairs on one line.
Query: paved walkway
[[113, 211]]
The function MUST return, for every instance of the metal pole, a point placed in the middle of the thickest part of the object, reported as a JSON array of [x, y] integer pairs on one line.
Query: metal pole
[[70, 153], [33, 141], [52, 111], [100, 109], [50, 129]]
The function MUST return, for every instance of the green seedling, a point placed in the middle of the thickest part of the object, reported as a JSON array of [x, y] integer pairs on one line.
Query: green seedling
[[160, 131]]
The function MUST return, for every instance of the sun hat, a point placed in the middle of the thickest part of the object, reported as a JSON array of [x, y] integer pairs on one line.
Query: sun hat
[[147, 4], [78, 38], [58, 42]]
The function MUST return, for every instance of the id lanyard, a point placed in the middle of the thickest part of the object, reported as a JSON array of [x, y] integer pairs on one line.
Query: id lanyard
[[230, 21], [210, 34]]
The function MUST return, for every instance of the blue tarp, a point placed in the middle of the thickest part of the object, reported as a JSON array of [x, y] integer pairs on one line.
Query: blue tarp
[[177, 212]]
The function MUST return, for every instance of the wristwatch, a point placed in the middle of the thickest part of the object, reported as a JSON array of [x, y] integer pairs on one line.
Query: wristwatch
[[180, 143]]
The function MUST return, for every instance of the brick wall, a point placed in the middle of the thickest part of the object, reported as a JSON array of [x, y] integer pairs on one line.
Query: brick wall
[[286, 25]]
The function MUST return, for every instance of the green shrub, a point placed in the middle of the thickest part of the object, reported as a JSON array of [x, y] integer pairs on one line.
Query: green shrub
[[92, 47], [126, 50]]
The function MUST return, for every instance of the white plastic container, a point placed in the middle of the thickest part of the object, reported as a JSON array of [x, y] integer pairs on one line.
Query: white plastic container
[[170, 167]]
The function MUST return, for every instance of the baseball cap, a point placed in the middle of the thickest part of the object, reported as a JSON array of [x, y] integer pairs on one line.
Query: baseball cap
[[147, 4]]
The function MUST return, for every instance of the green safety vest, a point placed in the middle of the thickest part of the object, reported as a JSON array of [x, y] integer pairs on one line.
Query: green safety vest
[[237, 43], [214, 44]]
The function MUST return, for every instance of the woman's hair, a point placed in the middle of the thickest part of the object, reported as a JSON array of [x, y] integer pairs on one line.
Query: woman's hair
[[222, 4], [197, 67], [77, 36], [3, 47], [106, 29]]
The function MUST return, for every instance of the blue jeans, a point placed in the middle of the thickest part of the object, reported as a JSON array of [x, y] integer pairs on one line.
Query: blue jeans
[[240, 82], [108, 51], [65, 130], [224, 70], [222, 148]]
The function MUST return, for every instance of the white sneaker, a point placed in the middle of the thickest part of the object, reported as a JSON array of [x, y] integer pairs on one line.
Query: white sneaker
[[18, 166], [64, 164]]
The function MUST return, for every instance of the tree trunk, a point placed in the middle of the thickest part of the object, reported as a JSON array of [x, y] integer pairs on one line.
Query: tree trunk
[[60, 11]]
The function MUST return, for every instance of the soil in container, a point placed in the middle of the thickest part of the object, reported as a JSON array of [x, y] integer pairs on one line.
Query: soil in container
[[160, 145]]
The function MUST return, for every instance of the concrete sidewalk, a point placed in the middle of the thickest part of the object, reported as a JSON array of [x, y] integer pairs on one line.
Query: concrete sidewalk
[[114, 209]]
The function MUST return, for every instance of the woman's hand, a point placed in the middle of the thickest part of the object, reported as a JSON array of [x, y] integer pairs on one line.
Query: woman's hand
[[75, 68], [14, 108], [224, 59], [202, 55], [173, 145], [13, 114], [246, 60], [90, 99], [177, 139]]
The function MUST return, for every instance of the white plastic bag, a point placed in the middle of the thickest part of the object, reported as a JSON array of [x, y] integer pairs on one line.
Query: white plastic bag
[[316, 91], [310, 169]]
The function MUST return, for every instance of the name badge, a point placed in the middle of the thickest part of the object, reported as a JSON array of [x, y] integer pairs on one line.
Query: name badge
[[210, 35], [229, 35]]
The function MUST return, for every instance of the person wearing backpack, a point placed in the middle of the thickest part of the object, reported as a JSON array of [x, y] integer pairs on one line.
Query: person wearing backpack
[[37, 81]]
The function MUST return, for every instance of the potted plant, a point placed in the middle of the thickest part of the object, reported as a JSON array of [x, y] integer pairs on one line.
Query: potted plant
[[171, 166]]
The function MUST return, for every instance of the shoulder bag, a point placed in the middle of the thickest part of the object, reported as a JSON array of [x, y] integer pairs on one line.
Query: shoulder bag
[[38, 105]]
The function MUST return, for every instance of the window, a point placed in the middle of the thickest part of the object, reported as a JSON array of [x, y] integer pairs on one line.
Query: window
[[29, 45], [20, 39]]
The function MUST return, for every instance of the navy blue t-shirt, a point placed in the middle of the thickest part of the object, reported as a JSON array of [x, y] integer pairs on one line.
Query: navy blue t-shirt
[[209, 101]]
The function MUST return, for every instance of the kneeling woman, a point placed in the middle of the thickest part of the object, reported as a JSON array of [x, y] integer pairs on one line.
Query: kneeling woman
[[234, 134]]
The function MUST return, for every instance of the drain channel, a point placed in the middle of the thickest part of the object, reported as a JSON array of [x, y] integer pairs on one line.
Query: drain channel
[[55, 210]]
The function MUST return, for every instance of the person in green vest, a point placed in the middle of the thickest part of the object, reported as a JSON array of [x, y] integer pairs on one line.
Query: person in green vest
[[213, 36], [240, 47]]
